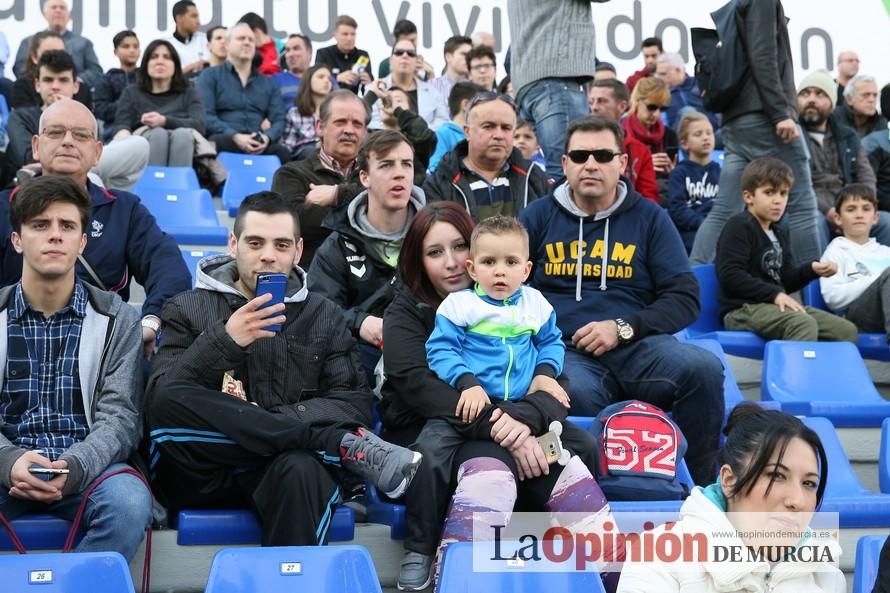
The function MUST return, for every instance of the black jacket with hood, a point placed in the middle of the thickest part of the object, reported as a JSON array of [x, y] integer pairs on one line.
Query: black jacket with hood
[[349, 268], [527, 182], [310, 370]]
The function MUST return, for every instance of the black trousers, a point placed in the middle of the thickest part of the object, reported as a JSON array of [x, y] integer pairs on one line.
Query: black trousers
[[212, 450], [444, 449], [225, 143]]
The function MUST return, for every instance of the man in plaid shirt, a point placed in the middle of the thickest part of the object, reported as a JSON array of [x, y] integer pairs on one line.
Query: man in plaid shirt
[[70, 377]]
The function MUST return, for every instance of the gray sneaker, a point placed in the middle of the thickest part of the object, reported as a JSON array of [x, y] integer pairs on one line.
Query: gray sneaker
[[388, 466], [415, 571]]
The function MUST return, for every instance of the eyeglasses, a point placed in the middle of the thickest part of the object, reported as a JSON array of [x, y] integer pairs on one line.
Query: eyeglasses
[[600, 155], [58, 132], [487, 96], [404, 52], [654, 107], [481, 67]]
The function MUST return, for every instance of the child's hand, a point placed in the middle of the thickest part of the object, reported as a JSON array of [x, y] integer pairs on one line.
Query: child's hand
[[784, 301], [825, 268], [471, 402], [551, 386]]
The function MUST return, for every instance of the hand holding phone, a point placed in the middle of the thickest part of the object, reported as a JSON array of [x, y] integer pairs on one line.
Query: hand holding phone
[[46, 473], [274, 284]]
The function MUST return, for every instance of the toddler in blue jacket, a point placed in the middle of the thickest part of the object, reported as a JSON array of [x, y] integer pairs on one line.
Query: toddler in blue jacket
[[495, 339]]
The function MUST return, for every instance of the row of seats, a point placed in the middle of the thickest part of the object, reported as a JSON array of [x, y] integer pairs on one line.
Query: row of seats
[[187, 212]]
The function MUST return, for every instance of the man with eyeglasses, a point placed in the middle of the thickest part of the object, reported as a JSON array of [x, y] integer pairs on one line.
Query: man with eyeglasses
[[122, 161], [482, 66], [615, 270], [485, 173], [124, 241]]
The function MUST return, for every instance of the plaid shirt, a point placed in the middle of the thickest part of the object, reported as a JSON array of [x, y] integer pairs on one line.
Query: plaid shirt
[[332, 164], [40, 400], [298, 130]]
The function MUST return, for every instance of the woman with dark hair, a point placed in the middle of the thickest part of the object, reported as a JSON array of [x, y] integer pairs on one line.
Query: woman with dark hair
[[772, 479], [163, 107], [23, 93], [499, 448], [300, 134]]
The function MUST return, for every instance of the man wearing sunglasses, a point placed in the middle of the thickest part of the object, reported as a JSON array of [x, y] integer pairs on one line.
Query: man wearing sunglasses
[[615, 270], [485, 173]]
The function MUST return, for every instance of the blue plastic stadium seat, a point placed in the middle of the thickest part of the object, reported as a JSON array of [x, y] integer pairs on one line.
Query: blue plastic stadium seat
[[384, 511], [322, 569], [709, 324], [234, 527], [844, 494], [234, 161], [457, 576], [96, 572], [884, 461], [868, 553], [240, 184], [165, 179], [188, 215], [192, 257], [822, 379], [38, 532], [872, 346]]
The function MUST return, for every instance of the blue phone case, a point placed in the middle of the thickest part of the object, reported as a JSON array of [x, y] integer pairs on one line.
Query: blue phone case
[[274, 284]]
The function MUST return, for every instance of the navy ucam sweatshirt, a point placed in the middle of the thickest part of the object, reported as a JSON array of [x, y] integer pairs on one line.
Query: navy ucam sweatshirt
[[646, 279]]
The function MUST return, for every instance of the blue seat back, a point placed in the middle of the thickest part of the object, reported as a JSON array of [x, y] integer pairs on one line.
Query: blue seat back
[[235, 162], [96, 572], [709, 317], [241, 184], [809, 372], [842, 480], [457, 576], [344, 569], [884, 461], [181, 208], [868, 554], [812, 296], [192, 257], [166, 178]]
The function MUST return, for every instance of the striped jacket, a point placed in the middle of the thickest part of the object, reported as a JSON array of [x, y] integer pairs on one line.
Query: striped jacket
[[500, 345]]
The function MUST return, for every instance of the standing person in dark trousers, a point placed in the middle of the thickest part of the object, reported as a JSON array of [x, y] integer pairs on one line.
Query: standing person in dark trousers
[[237, 99], [244, 415], [553, 61], [762, 121], [351, 66]]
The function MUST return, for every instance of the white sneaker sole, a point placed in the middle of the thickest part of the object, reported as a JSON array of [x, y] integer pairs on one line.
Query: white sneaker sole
[[406, 481]]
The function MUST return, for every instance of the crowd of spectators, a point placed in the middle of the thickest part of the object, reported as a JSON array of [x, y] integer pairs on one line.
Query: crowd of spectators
[[598, 193]]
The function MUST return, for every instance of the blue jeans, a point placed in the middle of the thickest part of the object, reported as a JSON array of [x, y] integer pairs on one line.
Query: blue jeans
[[115, 519], [550, 105], [659, 370], [746, 138]]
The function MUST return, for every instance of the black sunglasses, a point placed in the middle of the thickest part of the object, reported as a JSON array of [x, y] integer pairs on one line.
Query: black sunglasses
[[404, 52], [600, 155], [487, 96], [653, 107]]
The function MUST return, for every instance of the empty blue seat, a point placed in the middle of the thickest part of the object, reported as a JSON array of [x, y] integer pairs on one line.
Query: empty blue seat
[[872, 346], [96, 572], [822, 379], [322, 569], [457, 576], [884, 461], [384, 511], [166, 178], [709, 324], [844, 494], [38, 532], [192, 257], [242, 183], [188, 215], [236, 161], [233, 527], [868, 554]]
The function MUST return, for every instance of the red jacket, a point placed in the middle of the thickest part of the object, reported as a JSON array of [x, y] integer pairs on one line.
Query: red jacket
[[270, 64], [635, 77], [640, 170]]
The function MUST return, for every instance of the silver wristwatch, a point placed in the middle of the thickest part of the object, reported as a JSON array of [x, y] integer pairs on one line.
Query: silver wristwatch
[[625, 331]]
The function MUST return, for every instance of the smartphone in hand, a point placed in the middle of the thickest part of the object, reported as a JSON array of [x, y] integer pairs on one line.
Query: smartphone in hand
[[46, 473], [274, 284]]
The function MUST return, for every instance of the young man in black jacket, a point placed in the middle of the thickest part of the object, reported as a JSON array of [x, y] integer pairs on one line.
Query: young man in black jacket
[[356, 264], [755, 271], [240, 414]]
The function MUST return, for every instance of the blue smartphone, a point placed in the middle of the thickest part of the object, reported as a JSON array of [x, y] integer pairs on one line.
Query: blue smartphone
[[274, 284]]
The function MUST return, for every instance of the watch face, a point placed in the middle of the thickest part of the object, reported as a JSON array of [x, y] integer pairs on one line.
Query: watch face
[[626, 332]]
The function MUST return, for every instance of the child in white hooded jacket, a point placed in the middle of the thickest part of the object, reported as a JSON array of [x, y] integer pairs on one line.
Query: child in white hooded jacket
[[860, 290]]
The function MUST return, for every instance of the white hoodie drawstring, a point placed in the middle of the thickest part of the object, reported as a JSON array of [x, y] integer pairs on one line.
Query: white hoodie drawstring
[[527, 178], [605, 257], [578, 259]]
